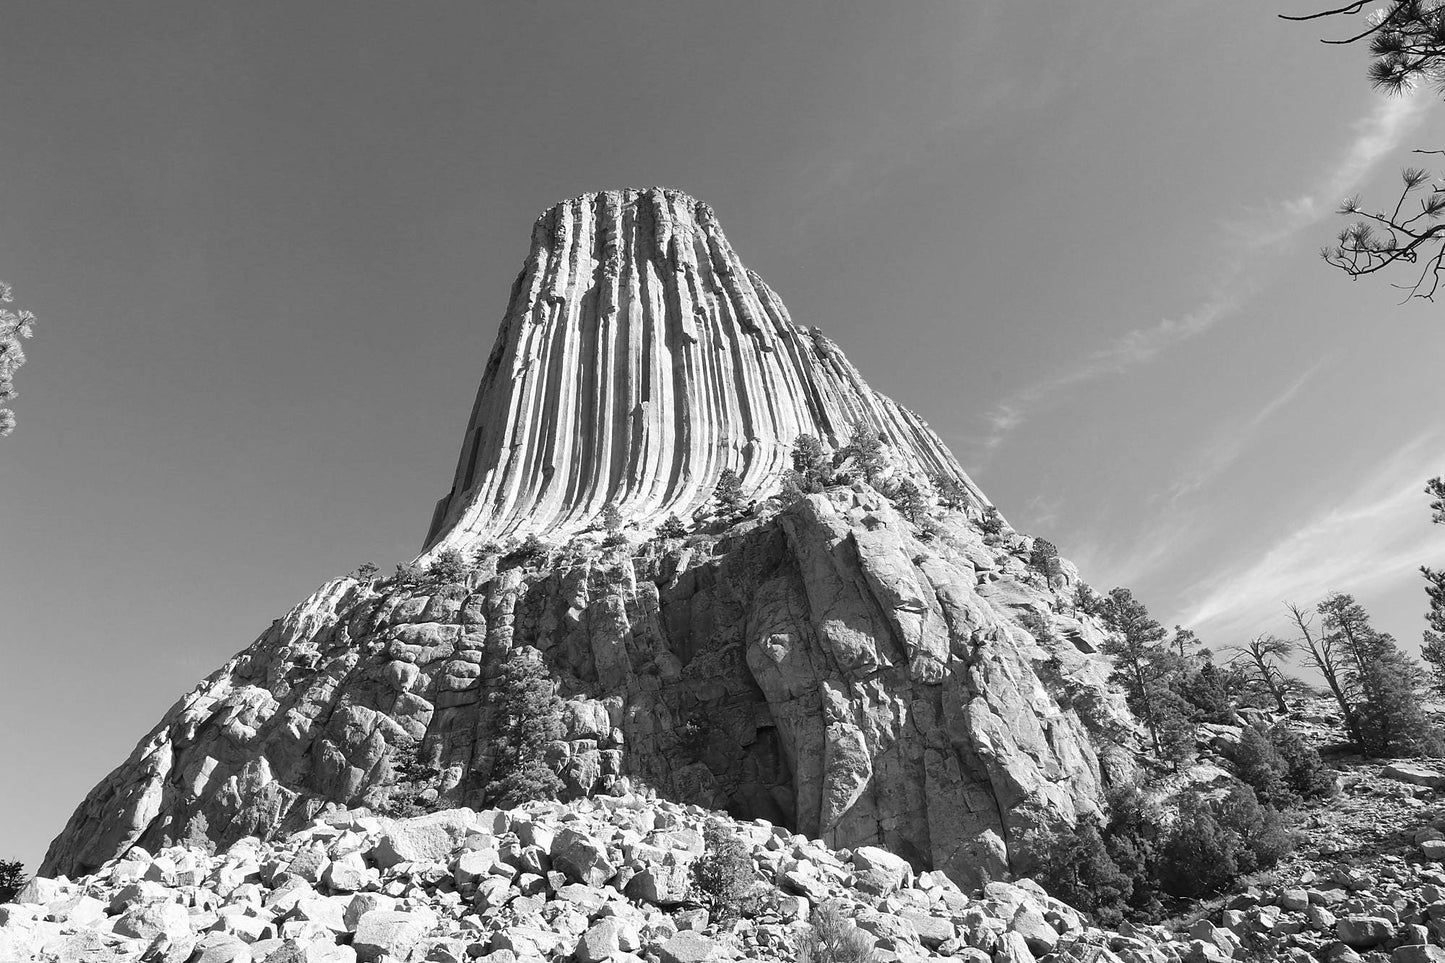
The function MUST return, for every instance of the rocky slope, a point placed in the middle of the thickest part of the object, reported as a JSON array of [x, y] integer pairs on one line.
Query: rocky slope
[[610, 880], [845, 672], [592, 882]]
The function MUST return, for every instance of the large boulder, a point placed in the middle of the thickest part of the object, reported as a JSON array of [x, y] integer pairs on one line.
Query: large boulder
[[581, 858]]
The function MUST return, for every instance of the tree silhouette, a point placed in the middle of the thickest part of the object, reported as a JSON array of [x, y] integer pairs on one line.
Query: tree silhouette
[[1406, 41]]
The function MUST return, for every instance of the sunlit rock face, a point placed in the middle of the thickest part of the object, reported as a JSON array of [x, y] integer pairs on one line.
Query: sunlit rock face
[[637, 360], [823, 662]]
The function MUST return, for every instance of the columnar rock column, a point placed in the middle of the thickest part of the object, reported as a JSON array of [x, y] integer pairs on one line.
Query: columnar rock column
[[638, 359]]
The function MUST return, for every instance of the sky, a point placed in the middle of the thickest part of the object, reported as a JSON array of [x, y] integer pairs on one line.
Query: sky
[[269, 244]]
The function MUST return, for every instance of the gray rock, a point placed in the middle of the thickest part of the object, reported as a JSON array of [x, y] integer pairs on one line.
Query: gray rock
[[1414, 774], [222, 948], [600, 942], [932, 931], [1363, 932], [150, 920], [390, 932], [664, 883], [426, 838], [879, 871], [39, 891], [581, 858], [1037, 932], [1013, 948], [688, 947]]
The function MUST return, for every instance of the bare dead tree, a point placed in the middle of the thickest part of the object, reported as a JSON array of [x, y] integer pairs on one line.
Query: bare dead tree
[[1406, 41], [1323, 651], [1262, 659]]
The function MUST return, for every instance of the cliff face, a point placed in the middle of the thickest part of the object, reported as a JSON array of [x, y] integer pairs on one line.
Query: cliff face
[[637, 360], [839, 669]]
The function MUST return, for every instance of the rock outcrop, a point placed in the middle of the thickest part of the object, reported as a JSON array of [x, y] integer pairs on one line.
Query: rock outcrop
[[820, 661]]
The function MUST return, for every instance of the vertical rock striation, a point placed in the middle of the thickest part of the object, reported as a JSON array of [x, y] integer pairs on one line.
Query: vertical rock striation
[[637, 360]]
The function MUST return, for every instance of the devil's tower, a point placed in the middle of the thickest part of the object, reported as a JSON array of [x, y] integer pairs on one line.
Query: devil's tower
[[637, 360], [824, 660]]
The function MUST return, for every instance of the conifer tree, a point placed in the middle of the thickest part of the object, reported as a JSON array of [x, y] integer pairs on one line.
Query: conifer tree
[[811, 462], [951, 492], [909, 501], [1375, 683], [529, 719], [12, 879], [1406, 41], [865, 450], [729, 491], [449, 566], [1147, 667], [1432, 649]]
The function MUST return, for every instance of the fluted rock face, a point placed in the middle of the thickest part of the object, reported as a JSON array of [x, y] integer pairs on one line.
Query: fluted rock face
[[827, 664], [637, 360]]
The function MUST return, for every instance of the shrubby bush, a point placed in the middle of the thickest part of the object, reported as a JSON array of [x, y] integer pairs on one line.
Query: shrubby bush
[[991, 524], [1198, 856], [1078, 868], [1212, 844], [449, 566], [532, 549], [408, 575], [831, 938], [724, 873], [908, 498], [811, 471], [1102, 866], [692, 738], [1305, 772], [950, 491], [1117, 868], [1259, 765], [672, 527], [1212, 691]]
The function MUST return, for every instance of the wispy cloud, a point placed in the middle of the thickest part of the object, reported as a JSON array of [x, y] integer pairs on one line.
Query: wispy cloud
[[1376, 135], [1233, 440], [1243, 240], [1133, 349], [1370, 536]]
